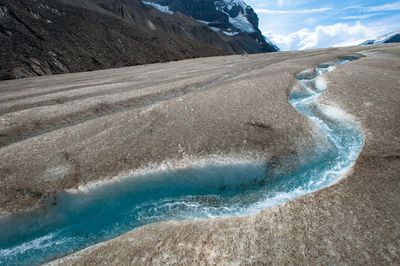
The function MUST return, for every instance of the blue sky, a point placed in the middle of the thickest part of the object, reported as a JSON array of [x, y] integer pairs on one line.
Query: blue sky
[[308, 24]]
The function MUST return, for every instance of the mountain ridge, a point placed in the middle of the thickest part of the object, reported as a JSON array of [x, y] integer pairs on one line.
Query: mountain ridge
[[391, 37], [233, 18]]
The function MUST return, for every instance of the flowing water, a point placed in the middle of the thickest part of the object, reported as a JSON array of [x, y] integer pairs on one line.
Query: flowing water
[[75, 220]]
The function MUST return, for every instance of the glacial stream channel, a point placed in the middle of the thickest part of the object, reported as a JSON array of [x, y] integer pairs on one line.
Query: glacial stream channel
[[75, 220]]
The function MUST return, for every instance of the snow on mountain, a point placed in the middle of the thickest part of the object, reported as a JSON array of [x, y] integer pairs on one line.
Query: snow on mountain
[[231, 3], [233, 18], [237, 12], [230, 33], [386, 38], [240, 22], [161, 8], [270, 42], [215, 29]]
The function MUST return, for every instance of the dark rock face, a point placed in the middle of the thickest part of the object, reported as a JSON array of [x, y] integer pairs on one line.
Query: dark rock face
[[61, 36], [177, 23], [51, 37], [394, 38], [368, 42]]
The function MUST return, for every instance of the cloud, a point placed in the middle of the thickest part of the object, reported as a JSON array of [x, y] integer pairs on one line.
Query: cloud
[[335, 35], [386, 7], [362, 16], [302, 11]]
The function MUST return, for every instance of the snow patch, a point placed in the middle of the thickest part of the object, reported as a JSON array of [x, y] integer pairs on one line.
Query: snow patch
[[203, 21], [161, 8], [231, 33], [240, 22], [215, 29]]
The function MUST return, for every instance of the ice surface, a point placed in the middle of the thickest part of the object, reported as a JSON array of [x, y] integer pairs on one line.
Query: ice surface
[[221, 188]]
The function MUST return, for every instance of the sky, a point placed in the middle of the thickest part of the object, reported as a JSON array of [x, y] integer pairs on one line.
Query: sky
[[309, 24]]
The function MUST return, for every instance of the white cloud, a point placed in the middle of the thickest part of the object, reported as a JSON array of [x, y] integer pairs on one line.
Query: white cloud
[[362, 16], [339, 34], [302, 11], [386, 7]]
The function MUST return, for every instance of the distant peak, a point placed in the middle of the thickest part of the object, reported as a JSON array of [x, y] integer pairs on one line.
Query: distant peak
[[391, 37], [232, 18]]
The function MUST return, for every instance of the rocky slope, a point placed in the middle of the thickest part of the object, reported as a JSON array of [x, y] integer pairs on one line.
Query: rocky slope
[[79, 35], [180, 22], [55, 37]]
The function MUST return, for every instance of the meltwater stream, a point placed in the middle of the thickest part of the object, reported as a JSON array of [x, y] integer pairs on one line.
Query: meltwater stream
[[74, 220]]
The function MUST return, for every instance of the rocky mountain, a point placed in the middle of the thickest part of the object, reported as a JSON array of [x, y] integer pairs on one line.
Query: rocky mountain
[[40, 37], [386, 38], [49, 37], [233, 18]]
